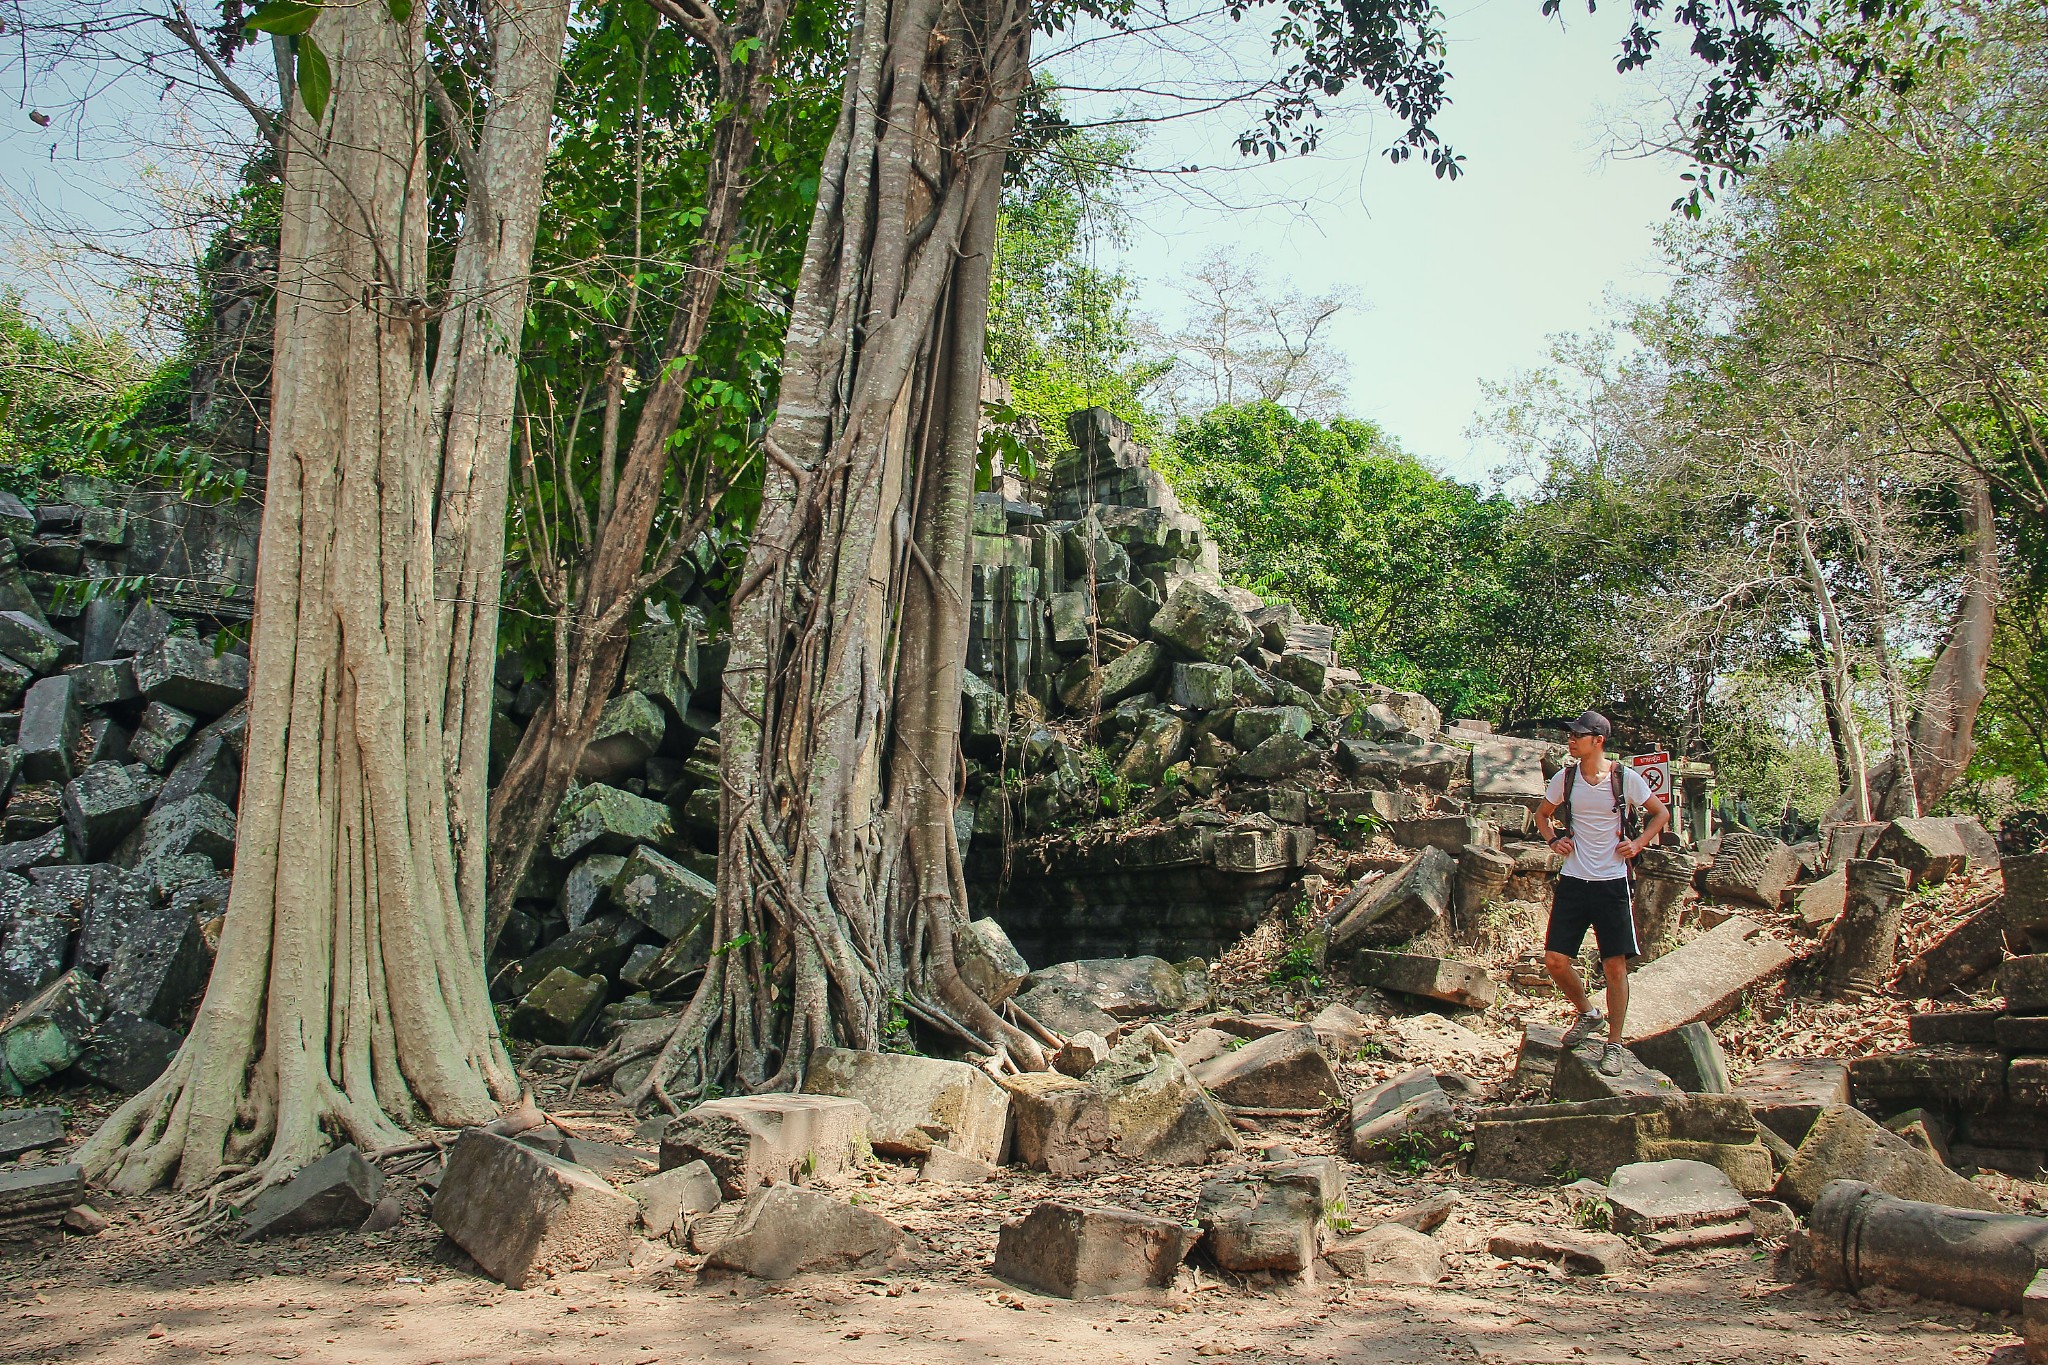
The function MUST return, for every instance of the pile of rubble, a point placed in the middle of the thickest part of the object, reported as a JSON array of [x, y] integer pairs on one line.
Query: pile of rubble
[[120, 751]]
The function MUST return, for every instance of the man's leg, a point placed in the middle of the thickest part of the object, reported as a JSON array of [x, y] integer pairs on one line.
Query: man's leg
[[1616, 969], [1565, 972]]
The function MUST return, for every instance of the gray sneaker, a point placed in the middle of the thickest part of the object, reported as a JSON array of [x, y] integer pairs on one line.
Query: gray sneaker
[[1583, 1027], [1610, 1060]]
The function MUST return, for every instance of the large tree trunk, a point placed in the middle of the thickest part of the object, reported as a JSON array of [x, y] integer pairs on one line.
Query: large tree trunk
[[590, 648], [349, 986], [839, 882]]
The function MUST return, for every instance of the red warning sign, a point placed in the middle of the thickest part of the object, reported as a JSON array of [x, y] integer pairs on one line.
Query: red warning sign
[[1655, 770]]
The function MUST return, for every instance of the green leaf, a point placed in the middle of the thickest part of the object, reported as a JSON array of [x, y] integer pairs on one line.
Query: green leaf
[[400, 10], [316, 78], [288, 18]]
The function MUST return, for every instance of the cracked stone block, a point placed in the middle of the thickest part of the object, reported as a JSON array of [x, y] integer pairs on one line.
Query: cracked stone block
[[1277, 757], [1161, 741], [784, 1231], [1202, 625], [105, 683], [49, 729], [209, 768], [523, 1215], [1846, 1144], [561, 1007], [1704, 979], [30, 1130], [598, 947], [104, 528], [1753, 869], [1786, 1094], [337, 1191], [35, 643], [184, 672], [754, 1140], [1285, 1070], [1388, 1254], [1964, 954], [1252, 726], [601, 819], [1464, 984], [98, 625], [1203, 687], [1059, 1124], [916, 1103], [1929, 848], [167, 877], [1582, 1253], [1128, 987], [1661, 1196], [110, 902], [629, 730], [1158, 1111], [233, 729], [1397, 906], [2023, 981], [1070, 1251], [43, 922], [661, 663], [588, 884], [1261, 1220], [664, 895], [1405, 1116], [199, 824], [989, 963], [160, 966], [159, 734], [1503, 770], [147, 627], [127, 1052], [104, 803], [666, 1196], [41, 851], [50, 1031]]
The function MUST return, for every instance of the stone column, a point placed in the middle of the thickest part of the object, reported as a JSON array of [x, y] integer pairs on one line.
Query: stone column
[[1663, 876], [1861, 950], [1482, 876], [1860, 1237]]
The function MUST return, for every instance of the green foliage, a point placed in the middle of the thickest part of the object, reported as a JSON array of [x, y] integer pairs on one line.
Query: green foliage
[[1594, 1215], [1297, 965]]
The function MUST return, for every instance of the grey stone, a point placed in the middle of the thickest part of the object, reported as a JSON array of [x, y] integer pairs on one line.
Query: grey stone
[[1127, 987], [754, 1140], [1388, 1254], [665, 896], [1845, 1144], [1252, 726], [1657, 1196], [1264, 1219], [1407, 1116], [523, 1215], [917, 1103], [586, 888], [629, 730], [1059, 1124], [1929, 848], [1157, 1110], [104, 528], [1507, 770], [185, 672], [1203, 687], [106, 683], [1074, 1252], [2023, 981], [15, 679], [1065, 1011], [1752, 868], [1340, 1029], [666, 1196], [661, 662], [1279, 756], [1161, 741], [128, 1052], [1582, 1253], [1704, 979], [147, 627], [103, 902], [1463, 984], [1279, 1071], [98, 626], [1581, 1075], [39, 1195], [49, 729], [1081, 1053], [990, 965], [1397, 906], [49, 1032], [35, 643], [41, 851], [597, 948], [209, 768], [29, 1130], [1131, 672], [104, 803], [37, 944], [199, 824], [984, 717], [159, 734], [944, 1166], [100, 740], [1690, 1055], [1786, 1094], [601, 819], [560, 1008], [337, 1191], [1202, 624], [160, 966]]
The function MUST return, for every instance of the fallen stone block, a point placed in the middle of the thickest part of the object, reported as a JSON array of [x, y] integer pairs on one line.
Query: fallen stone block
[[1582, 1253], [106, 683], [1059, 1124], [210, 768], [989, 963], [1254, 725], [1388, 1254], [629, 730], [1202, 625], [1261, 1220], [49, 1032], [1846, 1144], [586, 890], [198, 824], [161, 965], [1969, 1079], [185, 672], [944, 1166], [29, 1130], [42, 851], [337, 1191], [523, 1215], [916, 1103], [1960, 956], [1437, 1040], [48, 735], [1507, 770], [1203, 687], [39, 1195], [1075, 1252], [127, 1052], [754, 1140], [1127, 987], [1820, 903], [596, 818], [1536, 1144], [1066, 1011], [159, 735], [1690, 1055], [1407, 1116], [664, 895], [1536, 1062], [106, 801], [1463, 984], [35, 643], [1786, 1094], [561, 1008], [598, 947], [41, 921], [1579, 1076], [1081, 1053], [2023, 981], [1397, 906], [666, 1196], [785, 1231], [1340, 1029], [1859, 1237], [1157, 1110], [1703, 980], [1930, 849], [1659, 1196], [1753, 869], [1279, 1071], [1425, 765], [1926, 1130], [2034, 1319]]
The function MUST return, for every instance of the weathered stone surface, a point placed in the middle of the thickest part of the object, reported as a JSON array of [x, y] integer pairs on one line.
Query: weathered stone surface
[[198, 824], [598, 948], [49, 729], [917, 1103], [1657, 1196], [1929, 848], [1201, 624], [1846, 1144], [664, 895], [41, 851], [1536, 1061], [1451, 833], [1752, 869], [184, 672], [1703, 980], [1060, 1124], [1075, 1252], [15, 680], [34, 808], [1131, 672], [160, 966], [1959, 957], [34, 643], [210, 767], [1128, 987], [106, 801], [1507, 770], [1254, 725], [337, 1191], [1463, 984], [2021, 1033], [561, 1007], [1341, 1029], [785, 1231], [1388, 1254], [1279, 1071], [1157, 1110], [753, 1140], [2023, 981], [39, 1194], [144, 629], [1263, 1219], [523, 1215], [1786, 1094], [666, 1196], [158, 735], [1203, 687], [2034, 1319], [1971, 1079], [1161, 741], [629, 730], [128, 1052], [944, 1166], [1582, 1253], [1926, 1130], [1274, 758], [1397, 906], [1820, 903], [1406, 1116], [41, 922], [1580, 1077], [1690, 1055], [1536, 1144], [105, 683], [1081, 1053], [587, 889], [988, 963], [1065, 1011], [601, 819], [29, 1130], [50, 1031]]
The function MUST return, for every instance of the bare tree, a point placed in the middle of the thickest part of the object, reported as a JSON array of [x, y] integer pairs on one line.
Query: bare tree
[[1244, 340]]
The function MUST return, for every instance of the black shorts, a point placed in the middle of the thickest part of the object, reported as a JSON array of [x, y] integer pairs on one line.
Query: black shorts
[[1577, 905]]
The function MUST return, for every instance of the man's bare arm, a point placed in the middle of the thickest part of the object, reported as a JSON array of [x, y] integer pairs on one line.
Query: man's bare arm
[[1660, 816], [1543, 826]]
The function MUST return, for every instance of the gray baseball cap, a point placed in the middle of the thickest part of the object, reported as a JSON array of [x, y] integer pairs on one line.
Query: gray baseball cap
[[1591, 723]]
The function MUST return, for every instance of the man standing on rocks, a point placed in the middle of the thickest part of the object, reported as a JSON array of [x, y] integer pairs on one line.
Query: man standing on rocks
[[1594, 795]]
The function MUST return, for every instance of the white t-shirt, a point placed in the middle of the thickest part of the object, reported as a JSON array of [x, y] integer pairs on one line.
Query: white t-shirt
[[1596, 824]]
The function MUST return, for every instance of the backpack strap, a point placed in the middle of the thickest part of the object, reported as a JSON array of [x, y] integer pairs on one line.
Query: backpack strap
[[1564, 807], [1614, 777]]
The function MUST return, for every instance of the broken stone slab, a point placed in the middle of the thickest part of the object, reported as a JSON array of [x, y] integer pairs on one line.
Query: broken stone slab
[[1580, 1076], [1753, 869], [159, 734], [1703, 980], [561, 1008], [1690, 1055], [666, 1196], [1820, 903], [1059, 1124], [1157, 1110], [144, 630], [1407, 1116], [1274, 758], [209, 767], [1961, 956], [1161, 741], [1203, 687], [1287, 1070], [1261, 1220], [1507, 770], [1065, 1011], [128, 1052], [1535, 1144], [1929, 848], [1426, 765], [1659, 1196], [1859, 1237], [944, 1166], [664, 895], [105, 683], [1341, 1029], [183, 671], [916, 1103], [160, 966], [38, 941], [629, 730], [1130, 672], [42, 851], [1536, 1062], [1463, 984], [29, 1130], [1388, 1254], [100, 740], [1129, 987], [596, 818], [1070, 1251], [1925, 1130], [1081, 1053], [1202, 625], [598, 947], [784, 1231], [198, 824], [15, 680], [1969, 1079], [50, 721], [587, 886], [49, 1032], [989, 963], [1206, 1044], [337, 1191], [1786, 1094], [34, 808], [1846, 1144], [523, 1215], [1582, 1253], [2023, 981], [1396, 907], [754, 1140], [1731, 1233], [34, 643], [1435, 1039], [39, 1194], [1252, 726], [105, 802]]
